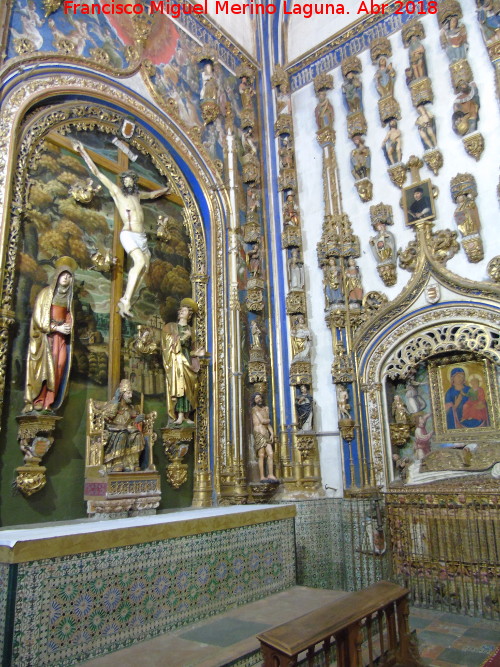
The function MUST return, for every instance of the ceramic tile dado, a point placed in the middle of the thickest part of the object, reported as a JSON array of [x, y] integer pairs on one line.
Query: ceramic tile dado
[[90, 604]]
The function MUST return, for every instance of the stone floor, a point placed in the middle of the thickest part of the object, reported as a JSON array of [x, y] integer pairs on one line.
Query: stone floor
[[446, 640]]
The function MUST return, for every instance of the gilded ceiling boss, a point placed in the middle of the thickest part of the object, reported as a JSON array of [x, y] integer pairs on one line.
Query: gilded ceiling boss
[[127, 200]]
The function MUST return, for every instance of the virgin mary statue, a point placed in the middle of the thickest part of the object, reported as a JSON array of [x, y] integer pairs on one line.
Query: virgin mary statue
[[51, 331]]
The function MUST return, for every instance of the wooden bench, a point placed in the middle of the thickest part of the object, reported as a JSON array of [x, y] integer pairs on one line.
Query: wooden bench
[[379, 609]]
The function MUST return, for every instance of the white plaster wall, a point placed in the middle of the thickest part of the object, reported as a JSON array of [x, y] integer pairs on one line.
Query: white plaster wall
[[304, 34], [309, 165], [241, 27]]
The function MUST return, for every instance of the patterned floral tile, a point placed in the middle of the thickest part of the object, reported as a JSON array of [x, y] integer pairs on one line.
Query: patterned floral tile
[[99, 602], [4, 589]]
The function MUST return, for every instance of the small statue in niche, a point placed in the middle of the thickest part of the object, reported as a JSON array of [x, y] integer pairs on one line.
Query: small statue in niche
[[333, 283], [384, 78], [488, 15], [344, 407], [254, 256], [286, 154], [466, 108], [247, 92], [453, 38], [256, 334], [426, 125], [208, 83], [263, 437], [51, 329], [132, 237], [392, 144], [125, 442], [304, 408], [181, 362], [384, 244], [324, 111], [418, 63], [283, 100], [295, 270], [253, 201], [290, 210], [360, 158], [399, 411], [248, 142], [422, 437], [352, 92], [354, 288], [300, 340], [466, 215]]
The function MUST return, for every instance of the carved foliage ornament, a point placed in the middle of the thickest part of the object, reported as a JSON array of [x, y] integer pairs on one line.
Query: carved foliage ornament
[[444, 338]]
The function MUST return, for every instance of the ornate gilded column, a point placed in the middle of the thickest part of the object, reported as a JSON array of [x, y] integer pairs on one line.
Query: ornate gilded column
[[233, 478], [337, 252], [300, 464]]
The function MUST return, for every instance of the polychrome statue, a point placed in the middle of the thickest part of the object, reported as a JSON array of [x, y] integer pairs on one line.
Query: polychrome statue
[[49, 353], [181, 364], [263, 437], [125, 442], [127, 200]]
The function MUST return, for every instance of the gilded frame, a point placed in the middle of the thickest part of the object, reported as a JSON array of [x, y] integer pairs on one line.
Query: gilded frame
[[408, 191], [455, 418]]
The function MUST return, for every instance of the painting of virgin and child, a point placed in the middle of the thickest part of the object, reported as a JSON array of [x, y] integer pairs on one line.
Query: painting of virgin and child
[[465, 400]]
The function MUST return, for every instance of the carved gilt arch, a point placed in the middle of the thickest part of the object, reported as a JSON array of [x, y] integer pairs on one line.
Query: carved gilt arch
[[30, 110], [423, 334]]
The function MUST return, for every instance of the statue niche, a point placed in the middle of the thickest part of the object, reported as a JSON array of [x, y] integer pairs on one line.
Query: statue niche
[[451, 405]]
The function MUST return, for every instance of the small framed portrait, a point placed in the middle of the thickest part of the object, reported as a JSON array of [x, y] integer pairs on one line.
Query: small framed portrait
[[418, 202], [465, 400]]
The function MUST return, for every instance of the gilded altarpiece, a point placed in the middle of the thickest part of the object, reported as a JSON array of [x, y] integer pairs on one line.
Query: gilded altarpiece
[[59, 211]]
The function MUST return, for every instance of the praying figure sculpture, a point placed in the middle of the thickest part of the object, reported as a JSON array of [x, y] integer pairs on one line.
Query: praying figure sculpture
[[182, 364], [127, 199], [48, 359], [263, 438]]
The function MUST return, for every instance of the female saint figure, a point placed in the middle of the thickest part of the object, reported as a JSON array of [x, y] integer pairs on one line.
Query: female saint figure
[[354, 288], [181, 364], [301, 340], [399, 411], [208, 83], [453, 39], [51, 329], [384, 78]]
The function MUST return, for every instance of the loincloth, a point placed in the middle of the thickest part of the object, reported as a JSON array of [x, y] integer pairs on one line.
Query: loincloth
[[260, 441], [133, 240]]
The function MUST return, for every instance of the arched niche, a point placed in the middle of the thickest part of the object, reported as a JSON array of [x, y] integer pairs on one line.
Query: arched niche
[[64, 103], [447, 335]]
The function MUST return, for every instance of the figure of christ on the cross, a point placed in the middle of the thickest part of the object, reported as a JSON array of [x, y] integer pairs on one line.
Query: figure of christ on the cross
[[127, 200]]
